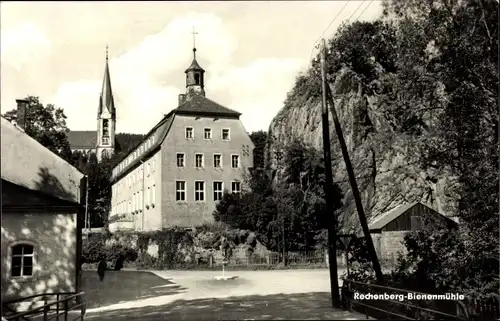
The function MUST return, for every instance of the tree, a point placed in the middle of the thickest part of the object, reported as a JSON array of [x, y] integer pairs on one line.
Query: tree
[[433, 67], [295, 206], [99, 190], [46, 124], [259, 139], [448, 65]]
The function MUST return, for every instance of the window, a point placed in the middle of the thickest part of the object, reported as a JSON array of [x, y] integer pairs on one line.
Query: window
[[197, 79], [105, 140], [22, 260], [105, 127], [148, 197], [217, 160], [180, 160], [198, 160], [235, 187], [189, 132], [218, 188], [153, 195], [225, 134], [199, 191], [235, 161], [207, 133], [180, 190]]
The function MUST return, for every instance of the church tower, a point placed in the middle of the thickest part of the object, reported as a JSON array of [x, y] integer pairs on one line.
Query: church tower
[[106, 117], [195, 84]]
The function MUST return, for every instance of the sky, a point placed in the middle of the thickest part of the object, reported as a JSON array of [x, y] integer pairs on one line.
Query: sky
[[252, 52]]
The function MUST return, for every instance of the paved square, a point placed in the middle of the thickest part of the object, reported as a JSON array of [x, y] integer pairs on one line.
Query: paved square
[[254, 295]]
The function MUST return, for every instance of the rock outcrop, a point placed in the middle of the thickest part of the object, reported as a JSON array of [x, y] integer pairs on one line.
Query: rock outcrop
[[385, 162]]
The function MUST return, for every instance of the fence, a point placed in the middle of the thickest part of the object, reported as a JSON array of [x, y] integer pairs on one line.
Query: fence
[[241, 258]]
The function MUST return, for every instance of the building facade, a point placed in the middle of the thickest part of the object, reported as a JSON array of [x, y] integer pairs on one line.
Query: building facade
[[101, 141], [42, 216], [178, 173]]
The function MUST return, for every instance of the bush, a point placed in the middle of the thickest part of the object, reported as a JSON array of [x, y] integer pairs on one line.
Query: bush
[[95, 250]]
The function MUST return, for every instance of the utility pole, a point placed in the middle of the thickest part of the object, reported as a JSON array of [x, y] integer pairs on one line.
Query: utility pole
[[352, 179], [87, 219], [279, 159], [332, 219]]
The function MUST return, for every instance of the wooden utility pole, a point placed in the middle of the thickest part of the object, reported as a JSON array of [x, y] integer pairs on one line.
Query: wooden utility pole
[[330, 214], [281, 216], [87, 218], [350, 172]]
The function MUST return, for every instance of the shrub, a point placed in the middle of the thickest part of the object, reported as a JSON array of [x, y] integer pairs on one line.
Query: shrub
[[95, 250]]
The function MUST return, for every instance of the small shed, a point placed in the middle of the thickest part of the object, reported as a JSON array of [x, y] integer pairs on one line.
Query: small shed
[[389, 228]]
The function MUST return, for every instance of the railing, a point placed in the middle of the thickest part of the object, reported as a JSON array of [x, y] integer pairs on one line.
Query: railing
[[485, 309], [396, 303], [54, 310]]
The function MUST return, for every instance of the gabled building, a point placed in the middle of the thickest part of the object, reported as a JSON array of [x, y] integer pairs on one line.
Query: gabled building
[[42, 208], [101, 141], [178, 173], [388, 229]]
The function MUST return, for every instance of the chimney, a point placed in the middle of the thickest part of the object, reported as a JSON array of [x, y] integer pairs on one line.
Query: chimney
[[21, 113], [182, 99]]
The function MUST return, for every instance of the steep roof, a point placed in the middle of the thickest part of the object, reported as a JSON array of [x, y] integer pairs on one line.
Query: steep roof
[[159, 132], [195, 66], [82, 139], [106, 99], [201, 105], [25, 162]]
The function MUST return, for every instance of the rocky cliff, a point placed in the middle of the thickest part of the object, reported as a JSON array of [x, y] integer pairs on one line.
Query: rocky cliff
[[385, 162]]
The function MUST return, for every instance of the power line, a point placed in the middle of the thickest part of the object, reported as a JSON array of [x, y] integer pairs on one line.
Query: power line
[[356, 10], [369, 4], [331, 22]]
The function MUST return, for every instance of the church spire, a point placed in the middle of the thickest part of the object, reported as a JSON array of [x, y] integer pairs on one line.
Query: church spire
[[106, 117], [194, 74], [106, 100]]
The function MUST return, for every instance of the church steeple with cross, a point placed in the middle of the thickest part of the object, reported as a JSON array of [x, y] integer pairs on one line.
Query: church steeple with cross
[[195, 84]]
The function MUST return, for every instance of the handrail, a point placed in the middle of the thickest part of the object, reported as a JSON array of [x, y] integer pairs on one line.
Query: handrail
[[415, 309], [38, 295], [46, 308]]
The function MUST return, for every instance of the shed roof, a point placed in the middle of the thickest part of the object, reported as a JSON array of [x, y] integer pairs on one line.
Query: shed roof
[[27, 163], [385, 218]]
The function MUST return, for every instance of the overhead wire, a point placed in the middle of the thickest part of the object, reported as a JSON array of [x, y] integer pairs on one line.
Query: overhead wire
[[315, 44], [359, 16]]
